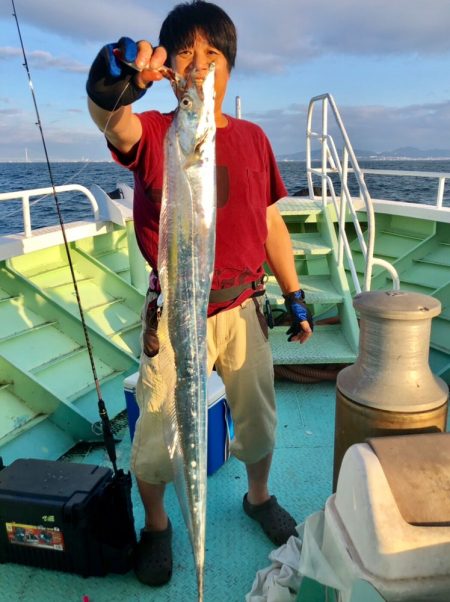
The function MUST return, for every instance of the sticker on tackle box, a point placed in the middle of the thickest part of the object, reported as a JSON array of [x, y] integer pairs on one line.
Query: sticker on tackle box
[[35, 536]]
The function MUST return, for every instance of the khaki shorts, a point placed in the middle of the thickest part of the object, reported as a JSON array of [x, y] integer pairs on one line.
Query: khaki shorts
[[239, 350]]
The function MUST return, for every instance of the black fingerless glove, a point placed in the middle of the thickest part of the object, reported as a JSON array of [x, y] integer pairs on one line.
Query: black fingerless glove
[[150, 334], [108, 76], [298, 311]]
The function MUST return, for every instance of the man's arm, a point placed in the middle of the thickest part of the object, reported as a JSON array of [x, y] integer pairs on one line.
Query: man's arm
[[279, 251], [281, 261], [121, 126]]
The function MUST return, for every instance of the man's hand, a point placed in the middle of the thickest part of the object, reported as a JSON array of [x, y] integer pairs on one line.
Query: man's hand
[[302, 319], [118, 64], [149, 60]]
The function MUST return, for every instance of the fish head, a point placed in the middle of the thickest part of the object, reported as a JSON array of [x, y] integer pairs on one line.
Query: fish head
[[195, 122]]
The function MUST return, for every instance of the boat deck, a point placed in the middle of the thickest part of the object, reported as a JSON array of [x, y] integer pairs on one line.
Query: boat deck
[[236, 549]]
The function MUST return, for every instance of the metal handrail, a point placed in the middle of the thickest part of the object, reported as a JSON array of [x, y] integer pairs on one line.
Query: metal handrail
[[441, 176], [331, 163], [25, 195]]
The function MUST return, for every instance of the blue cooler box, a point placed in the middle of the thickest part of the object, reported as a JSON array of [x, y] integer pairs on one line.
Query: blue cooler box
[[220, 424]]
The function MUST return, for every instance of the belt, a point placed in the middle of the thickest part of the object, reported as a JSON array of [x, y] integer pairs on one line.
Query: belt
[[228, 294], [220, 295]]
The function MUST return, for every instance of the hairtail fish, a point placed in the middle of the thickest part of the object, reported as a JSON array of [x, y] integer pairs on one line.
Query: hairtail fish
[[185, 265]]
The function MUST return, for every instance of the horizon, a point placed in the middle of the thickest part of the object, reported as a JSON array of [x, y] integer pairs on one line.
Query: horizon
[[282, 158]]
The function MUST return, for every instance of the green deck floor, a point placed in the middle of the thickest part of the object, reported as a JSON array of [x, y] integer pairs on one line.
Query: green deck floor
[[235, 548]]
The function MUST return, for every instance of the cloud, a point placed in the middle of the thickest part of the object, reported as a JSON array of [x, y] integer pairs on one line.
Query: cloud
[[272, 33], [377, 128], [390, 127], [64, 142], [7, 52], [89, 20], [41, 59], [296, 31], [251, 62], [10, 112]]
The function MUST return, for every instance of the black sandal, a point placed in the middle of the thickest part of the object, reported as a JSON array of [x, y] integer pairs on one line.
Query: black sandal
[[153, 557], [275, 521]]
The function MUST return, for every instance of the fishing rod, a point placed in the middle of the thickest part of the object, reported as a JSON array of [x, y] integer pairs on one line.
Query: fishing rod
[[106, 425]]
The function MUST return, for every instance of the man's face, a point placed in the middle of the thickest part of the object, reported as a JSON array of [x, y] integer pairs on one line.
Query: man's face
[[199, 56]]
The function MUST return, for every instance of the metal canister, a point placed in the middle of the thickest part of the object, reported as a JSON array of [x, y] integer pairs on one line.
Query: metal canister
[[390, 389]]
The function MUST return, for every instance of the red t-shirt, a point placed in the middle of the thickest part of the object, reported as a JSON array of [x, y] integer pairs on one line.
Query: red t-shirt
[[248, 181]]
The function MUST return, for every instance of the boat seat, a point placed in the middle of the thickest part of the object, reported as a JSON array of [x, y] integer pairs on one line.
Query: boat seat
[[417, 468]]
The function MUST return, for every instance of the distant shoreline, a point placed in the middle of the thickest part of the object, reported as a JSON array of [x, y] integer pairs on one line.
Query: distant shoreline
[[10, 162], [315, 160], [372, 159]]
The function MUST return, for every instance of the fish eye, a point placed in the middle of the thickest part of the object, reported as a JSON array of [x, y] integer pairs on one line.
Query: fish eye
[[186, 102]]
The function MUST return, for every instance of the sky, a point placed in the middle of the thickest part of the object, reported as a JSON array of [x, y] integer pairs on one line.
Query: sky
[[385, 62]]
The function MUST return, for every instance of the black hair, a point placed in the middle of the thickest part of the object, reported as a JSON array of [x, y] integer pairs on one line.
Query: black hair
[[185, 20]]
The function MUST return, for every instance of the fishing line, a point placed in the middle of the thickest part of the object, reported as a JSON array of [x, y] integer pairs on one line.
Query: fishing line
[[72, 176], [105, 129], [43, 197], [106, 427]]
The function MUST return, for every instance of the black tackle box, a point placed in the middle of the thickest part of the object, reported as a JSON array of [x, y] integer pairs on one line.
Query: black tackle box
[[66, 516]]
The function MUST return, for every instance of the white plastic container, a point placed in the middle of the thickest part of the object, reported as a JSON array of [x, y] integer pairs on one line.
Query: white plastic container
[[366, 537]]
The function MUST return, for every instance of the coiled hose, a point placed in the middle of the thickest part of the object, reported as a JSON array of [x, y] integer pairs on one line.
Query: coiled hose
[[307, 373]]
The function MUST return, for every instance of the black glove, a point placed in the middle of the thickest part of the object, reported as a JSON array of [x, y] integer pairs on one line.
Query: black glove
[[298, 311], [109, 75], [150, 335]]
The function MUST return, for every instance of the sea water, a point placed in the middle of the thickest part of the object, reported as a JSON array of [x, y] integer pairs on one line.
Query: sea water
[[74, 206]]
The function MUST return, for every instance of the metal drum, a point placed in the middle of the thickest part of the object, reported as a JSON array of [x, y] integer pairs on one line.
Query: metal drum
[[390, 389]]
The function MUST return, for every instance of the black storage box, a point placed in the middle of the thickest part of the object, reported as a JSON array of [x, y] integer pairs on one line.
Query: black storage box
[[66, 516]]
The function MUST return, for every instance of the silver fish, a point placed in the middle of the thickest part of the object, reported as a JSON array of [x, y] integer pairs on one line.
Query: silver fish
[[185, 266]]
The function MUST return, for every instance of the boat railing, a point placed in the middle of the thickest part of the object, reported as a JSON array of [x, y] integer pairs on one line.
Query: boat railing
[[441, 177], [26, 195], [331, 163]]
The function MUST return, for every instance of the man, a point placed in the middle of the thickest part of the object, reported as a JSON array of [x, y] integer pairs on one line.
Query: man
[[249, 231]]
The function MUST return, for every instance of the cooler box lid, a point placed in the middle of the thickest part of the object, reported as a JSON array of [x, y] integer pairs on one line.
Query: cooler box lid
[[130, 382], [216, 389], [215, 386]]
